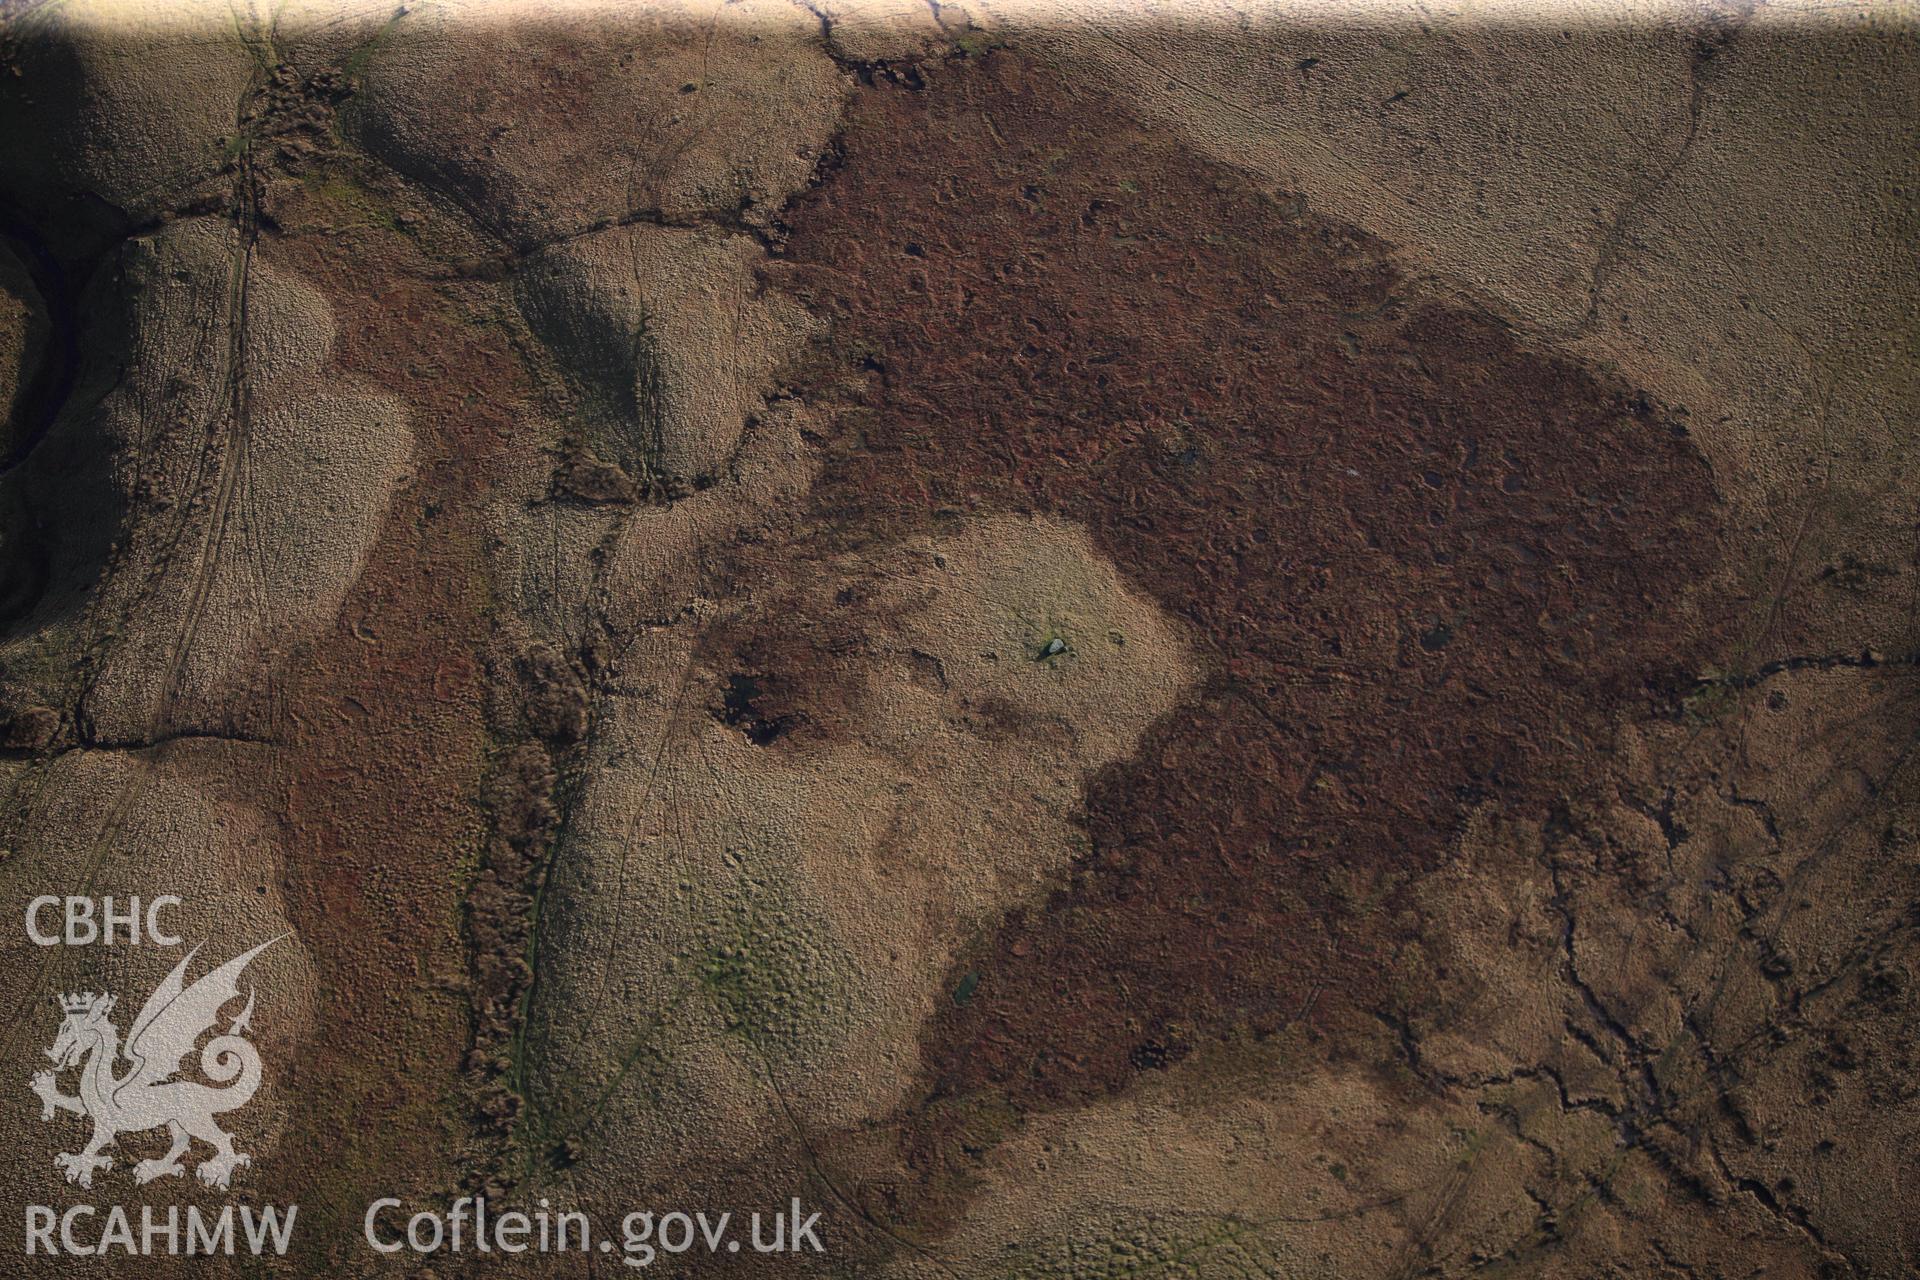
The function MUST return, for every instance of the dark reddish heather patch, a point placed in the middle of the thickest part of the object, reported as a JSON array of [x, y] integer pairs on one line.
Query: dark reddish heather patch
[[388, 733], [1426, 565]]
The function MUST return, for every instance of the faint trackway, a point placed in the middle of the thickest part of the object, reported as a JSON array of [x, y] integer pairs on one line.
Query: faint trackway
[[1713, 42], [244, 213]]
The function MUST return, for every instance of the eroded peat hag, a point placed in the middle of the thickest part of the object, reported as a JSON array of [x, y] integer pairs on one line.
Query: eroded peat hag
[[1428, 565]]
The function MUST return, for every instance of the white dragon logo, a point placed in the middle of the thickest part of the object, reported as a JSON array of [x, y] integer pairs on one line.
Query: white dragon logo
[[147, 1096]]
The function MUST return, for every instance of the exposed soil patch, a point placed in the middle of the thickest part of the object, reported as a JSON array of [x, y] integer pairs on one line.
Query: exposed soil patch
[[741, 707], [1427, 565]]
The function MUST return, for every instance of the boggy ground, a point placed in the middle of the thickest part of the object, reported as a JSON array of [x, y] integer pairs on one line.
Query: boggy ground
[[1428, 568], [1430, 571]]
